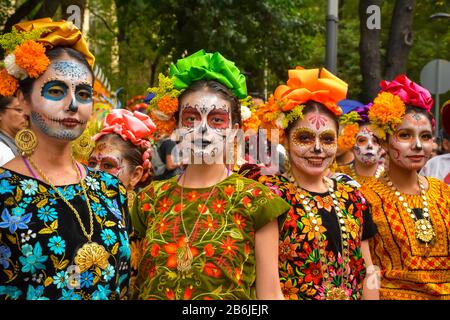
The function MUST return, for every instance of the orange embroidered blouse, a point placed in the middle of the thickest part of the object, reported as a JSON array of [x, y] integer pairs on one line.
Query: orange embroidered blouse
[[408, 272]]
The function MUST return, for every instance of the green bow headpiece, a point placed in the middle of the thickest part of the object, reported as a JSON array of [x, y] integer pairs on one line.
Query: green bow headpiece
[[208, 66]]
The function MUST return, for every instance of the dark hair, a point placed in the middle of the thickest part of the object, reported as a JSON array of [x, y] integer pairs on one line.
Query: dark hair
[[314, 106], [130, 152], [214, 87], [4, 103], [414, 109], [27, 85]]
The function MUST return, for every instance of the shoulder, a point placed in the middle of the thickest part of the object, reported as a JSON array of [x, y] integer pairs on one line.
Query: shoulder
[[437, 185]]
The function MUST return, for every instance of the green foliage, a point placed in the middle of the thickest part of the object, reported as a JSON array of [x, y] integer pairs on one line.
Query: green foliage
[[10, 41]]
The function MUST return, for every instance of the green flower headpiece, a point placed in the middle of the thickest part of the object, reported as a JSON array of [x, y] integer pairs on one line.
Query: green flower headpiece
[[208, 66]]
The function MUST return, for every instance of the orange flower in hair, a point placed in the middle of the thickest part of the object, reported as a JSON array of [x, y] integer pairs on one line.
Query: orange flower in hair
[[347, 139], [8, 84], [387, 112], [31, 57], [168, 105]]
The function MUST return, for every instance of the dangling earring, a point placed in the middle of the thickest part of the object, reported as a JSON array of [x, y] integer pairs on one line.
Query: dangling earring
[[26, 142], [131, 195], [334, 166], [83, 147]]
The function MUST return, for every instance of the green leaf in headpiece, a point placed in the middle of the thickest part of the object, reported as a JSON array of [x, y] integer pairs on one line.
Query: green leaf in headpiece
[[349, 118], [208, 66]]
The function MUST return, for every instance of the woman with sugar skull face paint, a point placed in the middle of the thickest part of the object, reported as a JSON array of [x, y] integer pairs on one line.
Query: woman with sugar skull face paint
[[323, 246], [64, 228], [359, 137], [411, 211], [208, 228]]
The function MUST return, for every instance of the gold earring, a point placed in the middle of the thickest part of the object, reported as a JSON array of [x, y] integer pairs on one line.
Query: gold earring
[[83, 147], [131, 195], [26, 142]]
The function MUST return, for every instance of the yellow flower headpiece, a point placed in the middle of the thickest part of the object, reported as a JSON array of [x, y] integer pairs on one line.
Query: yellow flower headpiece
[[386, 113], [25, 50]]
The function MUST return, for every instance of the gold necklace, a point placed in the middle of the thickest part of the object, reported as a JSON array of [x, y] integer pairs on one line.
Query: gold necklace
[[91, 253], [332, 292], [423, 228], [184, 253], [378, 173]]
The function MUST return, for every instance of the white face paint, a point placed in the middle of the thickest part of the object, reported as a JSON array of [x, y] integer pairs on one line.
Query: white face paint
[[367, 149], [204, 122], [313, 144], [61, 101]]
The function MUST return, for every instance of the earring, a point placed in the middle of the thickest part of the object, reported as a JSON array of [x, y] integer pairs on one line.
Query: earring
[[26, 142], [83, 147], [131, 195]]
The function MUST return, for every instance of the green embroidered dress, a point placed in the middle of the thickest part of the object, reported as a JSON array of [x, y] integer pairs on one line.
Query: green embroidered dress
[[222, 242]]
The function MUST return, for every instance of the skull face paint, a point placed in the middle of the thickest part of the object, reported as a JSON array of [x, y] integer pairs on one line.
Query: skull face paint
[[205, 120], [367, 149], [108, 158], [61, 101], [313, 144], [411, 144]]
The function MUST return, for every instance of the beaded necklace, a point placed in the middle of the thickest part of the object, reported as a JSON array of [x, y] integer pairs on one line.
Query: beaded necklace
[[331, 292]]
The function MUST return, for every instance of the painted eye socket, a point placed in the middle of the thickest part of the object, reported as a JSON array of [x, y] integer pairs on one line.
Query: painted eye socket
[[304, 138], [84, 93], [426, 137], [328, 138], [361, 141], [92, 163], [54, 90], [404, 135]]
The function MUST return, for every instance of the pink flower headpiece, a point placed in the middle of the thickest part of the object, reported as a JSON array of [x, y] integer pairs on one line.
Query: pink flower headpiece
[[410, 92], [135, 127]]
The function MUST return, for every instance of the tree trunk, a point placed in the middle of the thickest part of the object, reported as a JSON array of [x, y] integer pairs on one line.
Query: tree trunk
[[23, 11], [369, 50], [400, 38], [48, 9], [153, 67]]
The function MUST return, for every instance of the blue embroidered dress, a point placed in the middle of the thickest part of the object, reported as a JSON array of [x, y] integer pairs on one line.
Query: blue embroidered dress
[[40, 236]]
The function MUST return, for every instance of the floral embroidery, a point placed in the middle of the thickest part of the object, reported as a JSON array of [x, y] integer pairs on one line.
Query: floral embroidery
[[38, 243]]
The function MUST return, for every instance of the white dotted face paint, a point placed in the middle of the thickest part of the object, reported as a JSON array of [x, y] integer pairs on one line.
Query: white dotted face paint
[[204, 122], [61, 101], [367, 149]]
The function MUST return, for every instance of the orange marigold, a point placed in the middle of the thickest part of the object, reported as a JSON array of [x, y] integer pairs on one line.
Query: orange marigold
[[164, 126], [387, 111], [31, 57], [168, 105], [347, 139], [252, 123], [8, 84]]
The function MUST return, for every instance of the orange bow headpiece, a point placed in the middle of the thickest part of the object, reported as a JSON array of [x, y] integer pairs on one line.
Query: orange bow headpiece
[[318, 85]]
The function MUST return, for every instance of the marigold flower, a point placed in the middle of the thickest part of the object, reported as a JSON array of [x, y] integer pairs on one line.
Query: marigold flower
[[387, 111], [168, 105], [347, 139], [8, 84], [31, 57]]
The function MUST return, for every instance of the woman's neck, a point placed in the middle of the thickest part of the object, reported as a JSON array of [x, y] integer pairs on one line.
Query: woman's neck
[[345, 158], [364, 170], [308, 182], [54, 158], [203, 175], [405, 180], [8, 132]]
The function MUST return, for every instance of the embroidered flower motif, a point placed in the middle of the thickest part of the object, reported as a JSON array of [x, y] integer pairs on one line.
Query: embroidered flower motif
[[47, 214], [29, 187], [109, 237], [5, 254], [57, 244], [32, 259], [60, 279], [92, 183], [229, 247], [289, 290], [14, 222]]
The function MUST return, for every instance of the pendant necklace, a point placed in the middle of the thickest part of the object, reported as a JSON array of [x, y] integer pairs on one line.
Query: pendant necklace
[[91, 253]]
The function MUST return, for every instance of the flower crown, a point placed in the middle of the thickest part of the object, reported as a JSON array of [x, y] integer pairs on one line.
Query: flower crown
[[389, 106], [25, 48], [196, 67], [134, 127], [288, 101]]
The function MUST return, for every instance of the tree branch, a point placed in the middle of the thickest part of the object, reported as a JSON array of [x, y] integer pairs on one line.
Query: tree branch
[[24, 10]]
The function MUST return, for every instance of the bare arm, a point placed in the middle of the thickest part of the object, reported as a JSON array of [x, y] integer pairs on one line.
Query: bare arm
[[371, 283], [170, 164], [266, 250]]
